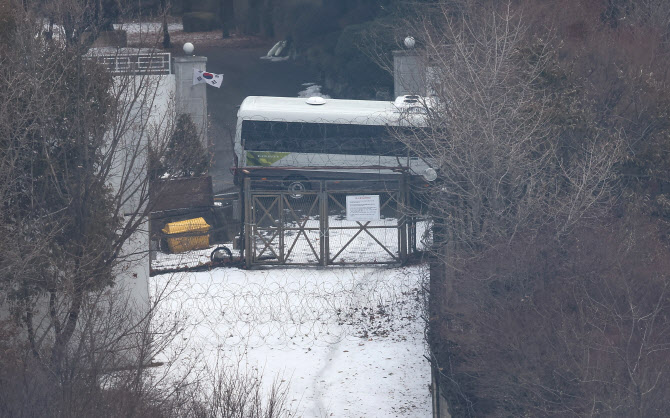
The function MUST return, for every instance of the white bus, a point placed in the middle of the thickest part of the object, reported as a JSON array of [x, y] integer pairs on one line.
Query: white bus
[[298, 139]]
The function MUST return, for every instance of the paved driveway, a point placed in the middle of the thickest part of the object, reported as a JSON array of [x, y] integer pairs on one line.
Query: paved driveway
[[245, 74]]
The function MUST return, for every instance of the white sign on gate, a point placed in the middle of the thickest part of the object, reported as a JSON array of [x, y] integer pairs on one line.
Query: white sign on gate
[[363, 208]]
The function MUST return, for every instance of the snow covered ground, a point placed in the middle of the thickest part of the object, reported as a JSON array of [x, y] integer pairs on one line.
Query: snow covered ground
[[348, 341]]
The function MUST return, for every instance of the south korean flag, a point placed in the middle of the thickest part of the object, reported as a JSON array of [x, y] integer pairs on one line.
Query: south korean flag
[[200, 76]]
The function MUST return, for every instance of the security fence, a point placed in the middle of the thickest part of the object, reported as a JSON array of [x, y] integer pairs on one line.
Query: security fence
[[326, 222]]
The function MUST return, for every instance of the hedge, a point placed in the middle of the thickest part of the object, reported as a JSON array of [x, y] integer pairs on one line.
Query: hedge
[[200, 22]]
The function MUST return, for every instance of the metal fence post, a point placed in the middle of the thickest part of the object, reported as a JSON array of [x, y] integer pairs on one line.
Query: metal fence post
[[247, 222], [402, 219], [281, 226], [324, 243]]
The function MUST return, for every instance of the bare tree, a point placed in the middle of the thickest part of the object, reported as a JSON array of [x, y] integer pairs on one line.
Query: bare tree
[[74, 198], [109, 369], [491, 131], [165, 7], [74, 162], [227, 16], [540, 301], [575, 325]]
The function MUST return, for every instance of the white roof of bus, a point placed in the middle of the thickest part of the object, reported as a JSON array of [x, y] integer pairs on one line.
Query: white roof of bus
[[296, 109]]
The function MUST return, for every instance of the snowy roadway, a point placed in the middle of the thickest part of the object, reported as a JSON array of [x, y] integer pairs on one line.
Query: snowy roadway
[[348, 341]]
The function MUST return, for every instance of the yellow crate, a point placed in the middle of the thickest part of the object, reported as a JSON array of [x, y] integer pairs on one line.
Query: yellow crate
[[182, 244]]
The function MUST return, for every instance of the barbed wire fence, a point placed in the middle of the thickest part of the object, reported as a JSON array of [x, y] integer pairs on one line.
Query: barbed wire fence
[[231, 311]]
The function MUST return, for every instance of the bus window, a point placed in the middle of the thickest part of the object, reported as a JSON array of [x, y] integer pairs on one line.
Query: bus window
[[320, 138]]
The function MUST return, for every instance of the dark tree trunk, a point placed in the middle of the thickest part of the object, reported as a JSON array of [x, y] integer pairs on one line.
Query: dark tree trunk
[[166, 34], [227, 17], [266, 19], [62, 339]]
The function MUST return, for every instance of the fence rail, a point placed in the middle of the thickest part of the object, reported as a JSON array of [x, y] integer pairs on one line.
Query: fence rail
[[149, 63]]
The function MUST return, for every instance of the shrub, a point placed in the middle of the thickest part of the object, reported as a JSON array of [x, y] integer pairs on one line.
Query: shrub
[[354, 65], [541, 325], [309, 23], [185, 155], [206, 6], [200, 22], [7, 21], [113, 38]]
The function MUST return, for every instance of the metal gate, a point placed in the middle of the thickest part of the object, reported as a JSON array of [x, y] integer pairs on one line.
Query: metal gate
[[309, 225]]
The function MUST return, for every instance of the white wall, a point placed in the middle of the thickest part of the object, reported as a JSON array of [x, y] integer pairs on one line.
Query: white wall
[[151, 120]]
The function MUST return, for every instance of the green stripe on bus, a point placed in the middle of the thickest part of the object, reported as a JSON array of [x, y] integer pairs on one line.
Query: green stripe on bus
[[264, 158]]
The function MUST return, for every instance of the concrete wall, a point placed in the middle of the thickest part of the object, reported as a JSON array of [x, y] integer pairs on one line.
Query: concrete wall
[[191, 99], [409, 73], [133, 272], [439, 403]]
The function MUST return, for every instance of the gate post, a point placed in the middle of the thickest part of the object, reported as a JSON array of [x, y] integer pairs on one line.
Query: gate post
[[402, 219], [324, 244], [248, 198], [281, 226]]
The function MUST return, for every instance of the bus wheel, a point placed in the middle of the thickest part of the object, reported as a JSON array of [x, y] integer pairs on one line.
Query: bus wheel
[[296, 186]]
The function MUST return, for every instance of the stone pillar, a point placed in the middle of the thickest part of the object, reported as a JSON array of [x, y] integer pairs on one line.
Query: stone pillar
[[191, 99], [409, 73]]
